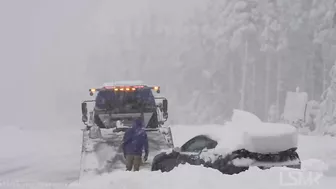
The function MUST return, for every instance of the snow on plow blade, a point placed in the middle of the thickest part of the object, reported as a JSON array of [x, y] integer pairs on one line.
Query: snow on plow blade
[[105, 155]]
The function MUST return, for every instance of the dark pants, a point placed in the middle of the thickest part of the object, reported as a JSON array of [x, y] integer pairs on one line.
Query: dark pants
[[133, 161]]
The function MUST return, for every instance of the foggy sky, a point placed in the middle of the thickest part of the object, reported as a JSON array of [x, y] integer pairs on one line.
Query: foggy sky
[[45, 49]]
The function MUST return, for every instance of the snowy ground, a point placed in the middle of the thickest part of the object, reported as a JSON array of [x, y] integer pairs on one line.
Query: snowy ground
[[39, 155], [42, 158]]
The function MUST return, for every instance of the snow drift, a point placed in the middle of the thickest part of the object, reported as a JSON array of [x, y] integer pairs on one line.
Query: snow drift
[[244, 127], [53, 156], [197, 177]]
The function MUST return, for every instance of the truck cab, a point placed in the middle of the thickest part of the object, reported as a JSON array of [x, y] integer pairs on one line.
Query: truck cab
[[117, 104]]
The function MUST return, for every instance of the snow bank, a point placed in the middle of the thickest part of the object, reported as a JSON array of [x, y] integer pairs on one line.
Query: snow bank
[[197, 177], [318, 147], [331, 130], [48, 156], [315, 165]]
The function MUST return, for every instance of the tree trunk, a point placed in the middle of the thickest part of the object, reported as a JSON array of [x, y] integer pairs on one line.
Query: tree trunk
[[231, 77], [278, 89], [304, 78], [324, 76], [312, 79], [254, 72], [266, 103], [233, 100], [243, 84]]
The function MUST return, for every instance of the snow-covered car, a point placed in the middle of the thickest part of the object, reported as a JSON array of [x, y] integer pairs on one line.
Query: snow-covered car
[[233, 149]]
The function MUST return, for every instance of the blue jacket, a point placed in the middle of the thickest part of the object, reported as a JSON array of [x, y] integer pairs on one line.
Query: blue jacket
[[135, 140]]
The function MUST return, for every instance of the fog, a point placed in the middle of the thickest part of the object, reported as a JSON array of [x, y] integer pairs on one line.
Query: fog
[[47, 48], [209, 57]]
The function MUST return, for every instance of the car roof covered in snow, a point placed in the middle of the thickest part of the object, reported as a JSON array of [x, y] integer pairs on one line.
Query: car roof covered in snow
[[245, 131]]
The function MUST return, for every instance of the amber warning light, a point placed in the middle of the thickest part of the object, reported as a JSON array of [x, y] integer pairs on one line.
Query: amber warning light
[[124, 88]]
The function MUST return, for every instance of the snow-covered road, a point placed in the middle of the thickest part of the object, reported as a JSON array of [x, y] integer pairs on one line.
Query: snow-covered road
[[53, 156], [39, 155]]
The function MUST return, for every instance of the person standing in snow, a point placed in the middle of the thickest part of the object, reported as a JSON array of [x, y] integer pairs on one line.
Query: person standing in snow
[[134, 142]]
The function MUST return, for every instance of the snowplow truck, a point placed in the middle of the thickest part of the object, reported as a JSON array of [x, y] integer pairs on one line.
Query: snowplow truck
[[113, 110]]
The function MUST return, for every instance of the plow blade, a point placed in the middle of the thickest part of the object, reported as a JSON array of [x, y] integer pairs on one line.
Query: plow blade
[[105, 155]]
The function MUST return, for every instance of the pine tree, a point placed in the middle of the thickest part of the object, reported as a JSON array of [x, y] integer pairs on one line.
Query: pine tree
[[327, 115]]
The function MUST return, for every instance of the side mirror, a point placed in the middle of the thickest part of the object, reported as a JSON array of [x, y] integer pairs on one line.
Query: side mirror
[[84, 112], [165, 105]]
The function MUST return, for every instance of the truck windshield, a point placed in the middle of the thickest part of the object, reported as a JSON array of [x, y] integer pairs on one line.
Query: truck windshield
[[126, 102]]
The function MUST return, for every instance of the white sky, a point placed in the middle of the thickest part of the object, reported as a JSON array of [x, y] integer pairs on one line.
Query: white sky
[[43, 44]]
